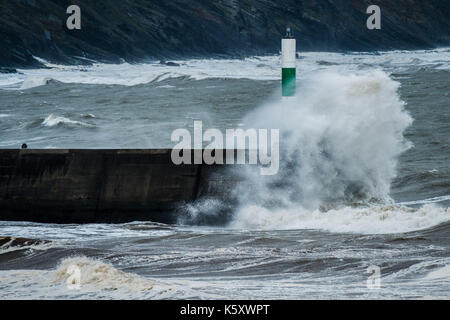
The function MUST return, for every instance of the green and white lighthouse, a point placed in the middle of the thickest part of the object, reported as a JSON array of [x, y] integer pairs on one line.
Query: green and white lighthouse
[[288, 56]]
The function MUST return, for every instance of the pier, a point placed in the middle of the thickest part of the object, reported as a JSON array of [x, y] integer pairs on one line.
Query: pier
[[111, 185]]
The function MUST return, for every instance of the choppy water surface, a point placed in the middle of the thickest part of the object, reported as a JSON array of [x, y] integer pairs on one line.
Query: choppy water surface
[[364, 179]]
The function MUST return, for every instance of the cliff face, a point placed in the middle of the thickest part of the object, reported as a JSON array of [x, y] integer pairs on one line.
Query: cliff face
[[134, 30]]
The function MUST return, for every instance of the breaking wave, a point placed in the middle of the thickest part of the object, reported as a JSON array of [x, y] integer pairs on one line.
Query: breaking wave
[[340, 140], [256, 68], [81, 277], [33, 82], [99, 275], [442, 274], [365, 220], [53, 120]]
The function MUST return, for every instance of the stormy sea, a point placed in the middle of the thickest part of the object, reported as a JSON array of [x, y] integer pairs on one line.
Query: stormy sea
[[358, 210]]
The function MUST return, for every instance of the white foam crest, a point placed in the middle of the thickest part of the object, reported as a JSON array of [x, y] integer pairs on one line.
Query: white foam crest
[[96, 274], [441, 274], [98, 280], [367, 220], [10, 80], [53, 120], [28, 245], [136, 74], [32, 82]]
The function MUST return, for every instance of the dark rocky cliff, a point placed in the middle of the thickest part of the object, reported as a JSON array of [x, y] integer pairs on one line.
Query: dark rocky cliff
[[135, 30]]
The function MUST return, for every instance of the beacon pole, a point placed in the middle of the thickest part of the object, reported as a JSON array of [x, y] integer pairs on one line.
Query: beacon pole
[[288, 72]]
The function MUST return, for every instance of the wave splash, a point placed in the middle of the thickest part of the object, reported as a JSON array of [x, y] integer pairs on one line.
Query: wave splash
[[100, 275], [81, 277], [340, 140]]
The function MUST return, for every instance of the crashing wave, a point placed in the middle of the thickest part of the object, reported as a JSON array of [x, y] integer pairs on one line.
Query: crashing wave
[[339, 150], [53, 120]]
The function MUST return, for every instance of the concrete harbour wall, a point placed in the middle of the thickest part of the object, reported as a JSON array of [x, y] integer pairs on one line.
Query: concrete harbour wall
[[87, 186]]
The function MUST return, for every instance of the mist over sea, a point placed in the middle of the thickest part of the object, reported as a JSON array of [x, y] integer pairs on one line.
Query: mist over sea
[[364, 179]]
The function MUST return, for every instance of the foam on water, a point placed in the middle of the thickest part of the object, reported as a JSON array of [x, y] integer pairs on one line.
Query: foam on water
[[257, 68], [441, 274], [369, 220], [98, 275], [53, 120], [97, 280]]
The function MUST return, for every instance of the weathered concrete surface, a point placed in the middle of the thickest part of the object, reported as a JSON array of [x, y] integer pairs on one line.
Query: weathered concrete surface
[[85, 186]]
